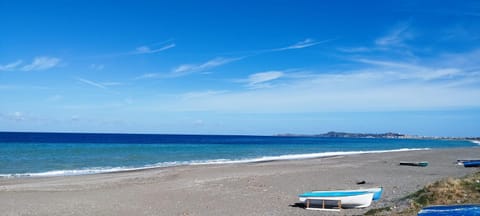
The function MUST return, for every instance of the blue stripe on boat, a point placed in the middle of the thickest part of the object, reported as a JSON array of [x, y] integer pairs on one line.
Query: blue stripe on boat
[[333, 194], [451, 210], [377, 195], [471, 163]]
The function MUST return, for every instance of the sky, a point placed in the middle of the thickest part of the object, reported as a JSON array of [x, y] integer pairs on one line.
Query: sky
[[240, 67]]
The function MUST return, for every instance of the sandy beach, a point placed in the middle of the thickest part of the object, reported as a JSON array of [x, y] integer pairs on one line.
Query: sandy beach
[[268, 188]]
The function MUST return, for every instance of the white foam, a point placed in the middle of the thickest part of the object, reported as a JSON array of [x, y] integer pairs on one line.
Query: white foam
[[70, 172], [475, 141], [302, 156], [97, 170]]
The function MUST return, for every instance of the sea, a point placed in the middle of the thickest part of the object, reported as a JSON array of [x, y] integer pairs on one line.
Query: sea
[[25, 154]]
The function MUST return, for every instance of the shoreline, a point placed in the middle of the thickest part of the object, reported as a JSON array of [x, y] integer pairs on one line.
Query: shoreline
[[264, 159], [267, 188]]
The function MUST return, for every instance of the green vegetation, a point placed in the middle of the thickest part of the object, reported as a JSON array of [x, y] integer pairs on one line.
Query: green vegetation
[[444, 192], [378, 210], [449, 191]]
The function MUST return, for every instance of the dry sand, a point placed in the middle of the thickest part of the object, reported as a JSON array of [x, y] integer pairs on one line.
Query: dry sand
[[269, 188]]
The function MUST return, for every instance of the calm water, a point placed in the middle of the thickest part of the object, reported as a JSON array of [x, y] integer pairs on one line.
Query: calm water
[[49, 154]]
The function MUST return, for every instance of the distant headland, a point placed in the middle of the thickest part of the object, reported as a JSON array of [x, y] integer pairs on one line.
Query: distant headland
[[388, 135]]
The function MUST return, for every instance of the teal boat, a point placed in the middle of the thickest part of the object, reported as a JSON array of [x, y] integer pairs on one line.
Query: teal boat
[[420, 164]]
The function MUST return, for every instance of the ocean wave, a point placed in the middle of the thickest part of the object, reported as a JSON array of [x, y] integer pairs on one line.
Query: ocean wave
[[97, 170], [475, 141], [302, 156], [72, 172]]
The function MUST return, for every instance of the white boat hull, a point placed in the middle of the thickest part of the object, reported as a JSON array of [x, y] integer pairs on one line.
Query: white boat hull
[[370, 190], [355, 201]]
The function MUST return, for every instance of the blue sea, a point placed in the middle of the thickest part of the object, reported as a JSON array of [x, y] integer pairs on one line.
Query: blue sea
[[58, 154]]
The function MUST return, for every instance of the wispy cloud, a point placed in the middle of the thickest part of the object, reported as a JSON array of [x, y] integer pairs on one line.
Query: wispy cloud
[[148, 76], [302, 44], [388, 63], [10, 66], [202, 94], [412, 71], [190, 68], [262, 79], [151, 50], [91, 83], [102, 85], [41, 63], [185, 69], [306, 43], [142, 50], [38, 63], [377, 85], [397, 36]]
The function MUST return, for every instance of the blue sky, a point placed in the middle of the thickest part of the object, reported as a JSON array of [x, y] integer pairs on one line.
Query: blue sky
[[241, 67]]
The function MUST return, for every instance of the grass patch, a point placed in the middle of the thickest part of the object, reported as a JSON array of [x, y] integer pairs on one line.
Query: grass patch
[[377, 211], [449, 191], [444, 192]]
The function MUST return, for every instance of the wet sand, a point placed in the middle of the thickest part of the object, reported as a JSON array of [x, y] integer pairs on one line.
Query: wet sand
[[268, 188]]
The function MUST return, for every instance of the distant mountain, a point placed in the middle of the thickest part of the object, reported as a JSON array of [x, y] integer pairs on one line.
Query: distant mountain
[[333, 134]]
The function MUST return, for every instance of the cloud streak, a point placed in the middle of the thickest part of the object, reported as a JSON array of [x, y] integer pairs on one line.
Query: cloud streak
[[308, 42], [41, 63], [91, 83], [302, 44], [213, 63], [10, 66], [142, 50], [377, 85], [262, 79], [150, 50], [185, 69], [102, 85], [411, 71], [38, 64], [397, 36], [202, 94], [148, 76]]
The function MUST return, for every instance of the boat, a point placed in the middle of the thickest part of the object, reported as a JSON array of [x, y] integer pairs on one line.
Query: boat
[[451, 210], [464, 160], [461, 161], [421, 163], [377, 192], [336, 199], [473, 163]]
